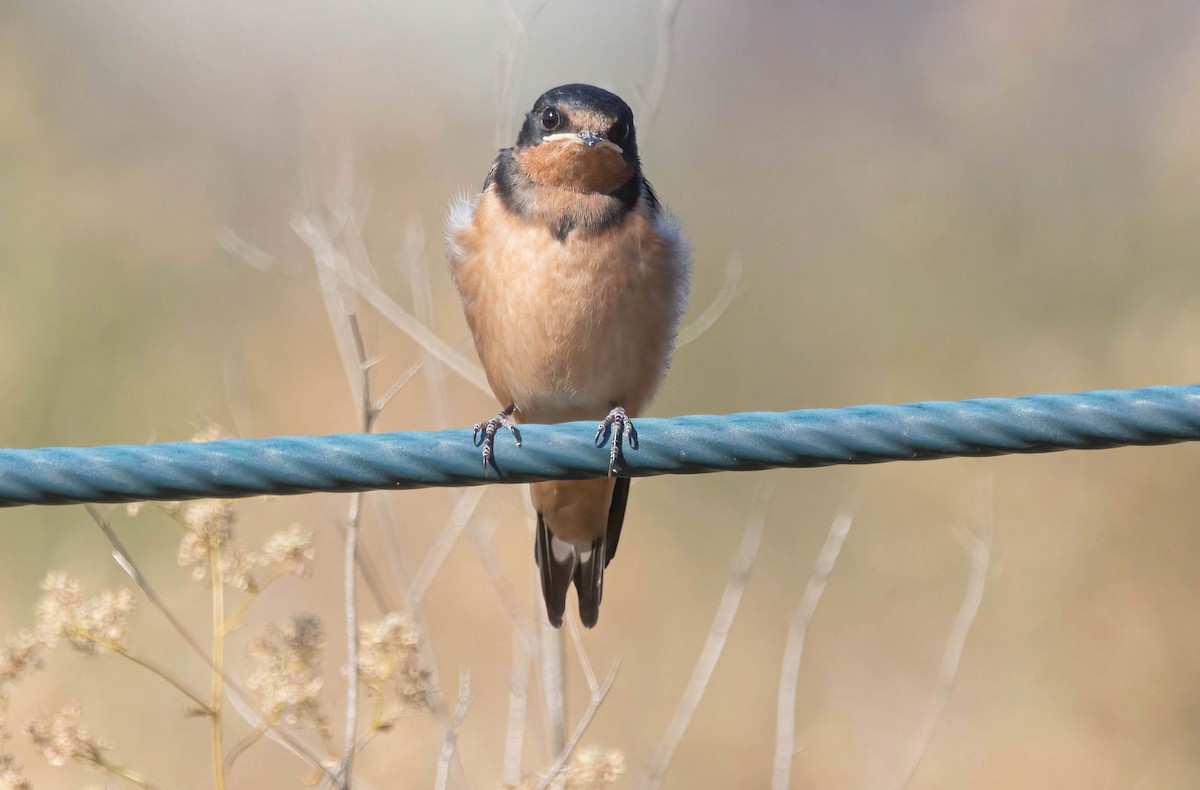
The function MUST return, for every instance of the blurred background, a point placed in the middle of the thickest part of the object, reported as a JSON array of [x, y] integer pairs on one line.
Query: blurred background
[[930, 200]]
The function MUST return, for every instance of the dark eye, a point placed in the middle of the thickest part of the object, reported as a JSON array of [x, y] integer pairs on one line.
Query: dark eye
[[550, 119], [619, 133]]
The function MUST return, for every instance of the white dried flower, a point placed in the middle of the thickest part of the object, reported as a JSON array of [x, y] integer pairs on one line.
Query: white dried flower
[[89, 624], [62, 737], [389, 650], [291, 550], [288, 679], [593, 767], [12, 776], [209, 525], [21, 654]]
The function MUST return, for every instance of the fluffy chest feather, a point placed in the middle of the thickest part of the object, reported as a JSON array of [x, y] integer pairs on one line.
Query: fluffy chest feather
[[565, 328]]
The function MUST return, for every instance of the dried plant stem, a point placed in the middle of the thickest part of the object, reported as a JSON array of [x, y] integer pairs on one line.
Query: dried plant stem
[[422, 296], [550, 661], [518, 701], [481, 538], [512, 60], [652, 101], [201, 705], [238, 696], [718, 306], [233, 620], [232, 754], [980, 550], [460, 713], [585, 721], [346, 766], [421, 334], [581, 653], [218, 659], [131, 776], [785, 719], [447, 538], [739, 576]]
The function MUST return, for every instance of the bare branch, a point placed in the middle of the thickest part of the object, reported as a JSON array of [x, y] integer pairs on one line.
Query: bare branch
[[422, 295], [580, 728], [652, 99], [460, 713], [234, 692], [518, 702], [419, 332], [785, 722], [577, 641], [550, 655], [980, 549], [248, 253], [400, 571], [381, 404], [550, 660], [713, 313], [512, 61], [481, 537], [739, 576], [332, 269], [468, 501]]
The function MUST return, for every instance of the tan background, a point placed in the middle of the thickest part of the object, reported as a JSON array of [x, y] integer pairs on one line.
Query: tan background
[[931, 200]]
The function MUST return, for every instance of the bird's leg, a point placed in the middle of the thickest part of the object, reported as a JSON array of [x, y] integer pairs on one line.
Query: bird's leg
[[624, 430], [485, 435]]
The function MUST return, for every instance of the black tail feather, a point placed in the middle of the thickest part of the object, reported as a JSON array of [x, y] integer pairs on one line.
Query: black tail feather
[[589, 583], [616, 517], [556, 574], [561, 563]]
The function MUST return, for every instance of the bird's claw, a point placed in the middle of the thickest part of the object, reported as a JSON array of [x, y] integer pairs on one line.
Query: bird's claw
[[484, 435], [624, 431]]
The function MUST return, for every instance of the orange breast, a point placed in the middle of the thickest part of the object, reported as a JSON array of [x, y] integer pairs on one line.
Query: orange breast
[[567, 328]]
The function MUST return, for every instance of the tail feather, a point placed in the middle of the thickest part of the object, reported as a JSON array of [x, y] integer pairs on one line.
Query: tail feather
[[589, 582], [564, 562], [557, 570], [616, 517]]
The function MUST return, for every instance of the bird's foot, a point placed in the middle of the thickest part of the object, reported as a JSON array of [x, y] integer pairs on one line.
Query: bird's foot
[[484, 435], [620, 427]]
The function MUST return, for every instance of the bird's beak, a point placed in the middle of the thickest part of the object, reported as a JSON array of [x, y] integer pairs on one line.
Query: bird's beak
[[587, 137]]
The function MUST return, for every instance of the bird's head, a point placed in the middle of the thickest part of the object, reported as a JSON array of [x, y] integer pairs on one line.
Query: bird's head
[[578, 137]]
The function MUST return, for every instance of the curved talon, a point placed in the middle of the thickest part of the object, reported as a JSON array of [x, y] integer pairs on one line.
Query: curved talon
[[624, 430], [484, 435]]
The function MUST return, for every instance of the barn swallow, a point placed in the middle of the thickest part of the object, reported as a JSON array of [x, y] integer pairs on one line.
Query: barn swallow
[[573, 279]]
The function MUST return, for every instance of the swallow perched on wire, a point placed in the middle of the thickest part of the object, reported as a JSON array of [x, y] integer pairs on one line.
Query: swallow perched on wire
[[573, 279]]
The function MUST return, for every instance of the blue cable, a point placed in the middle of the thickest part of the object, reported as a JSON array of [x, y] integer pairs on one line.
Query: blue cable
[[680, 445]]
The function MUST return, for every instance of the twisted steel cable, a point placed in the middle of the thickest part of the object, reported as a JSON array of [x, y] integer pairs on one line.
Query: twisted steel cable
[[680, 445]]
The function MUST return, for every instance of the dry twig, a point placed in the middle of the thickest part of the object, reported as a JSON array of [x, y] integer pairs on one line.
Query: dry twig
[[739, 576], [785, 722]]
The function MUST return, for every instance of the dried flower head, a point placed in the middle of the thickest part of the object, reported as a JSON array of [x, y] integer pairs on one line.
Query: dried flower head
[[89, 624], [389, 650], [291, 550], [288, 678], [209, 525], [237, 570], [63, 737], [211, 433], [593, 767], [21, 654], [12, 776]]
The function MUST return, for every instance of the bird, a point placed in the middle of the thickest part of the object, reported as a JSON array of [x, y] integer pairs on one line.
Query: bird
[[573, 279]]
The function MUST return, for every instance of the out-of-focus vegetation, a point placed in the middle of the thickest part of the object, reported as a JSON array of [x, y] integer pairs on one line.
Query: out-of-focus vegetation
[[931, 200]]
